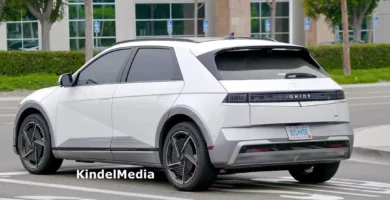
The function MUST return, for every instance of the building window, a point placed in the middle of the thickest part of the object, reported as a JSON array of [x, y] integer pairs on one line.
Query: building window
[[151, 19], [364, 35], [260, 12], [23, 35], [104, 11]]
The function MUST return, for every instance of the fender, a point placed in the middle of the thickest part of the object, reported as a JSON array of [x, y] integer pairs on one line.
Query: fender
[[184, 110], [26, 105]]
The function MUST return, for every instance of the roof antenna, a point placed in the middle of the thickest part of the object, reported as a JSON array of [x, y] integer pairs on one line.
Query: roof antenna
[[230, 35]]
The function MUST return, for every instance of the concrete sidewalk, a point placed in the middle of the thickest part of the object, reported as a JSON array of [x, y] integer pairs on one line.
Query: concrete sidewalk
[[372, 144]]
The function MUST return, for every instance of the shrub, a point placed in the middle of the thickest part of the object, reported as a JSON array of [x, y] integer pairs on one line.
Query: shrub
[[13, 63], [363, 56]]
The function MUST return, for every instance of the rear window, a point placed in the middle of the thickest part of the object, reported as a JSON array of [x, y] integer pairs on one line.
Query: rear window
[[265, 63]]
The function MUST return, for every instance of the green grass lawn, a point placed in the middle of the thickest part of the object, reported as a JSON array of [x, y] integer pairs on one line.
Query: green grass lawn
[[27, 82], [361, 76], [37, 81]]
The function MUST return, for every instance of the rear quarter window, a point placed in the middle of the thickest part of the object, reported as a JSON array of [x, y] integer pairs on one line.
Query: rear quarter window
[[266, 63]]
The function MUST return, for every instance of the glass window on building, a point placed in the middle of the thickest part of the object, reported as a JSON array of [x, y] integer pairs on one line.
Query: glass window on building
[[23, 35], [104, 11], [151, 19], [260, 12], [364, 32]]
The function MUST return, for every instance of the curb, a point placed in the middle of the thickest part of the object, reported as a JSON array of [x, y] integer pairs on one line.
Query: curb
[[11, 98], [371, 155], [385, 84]]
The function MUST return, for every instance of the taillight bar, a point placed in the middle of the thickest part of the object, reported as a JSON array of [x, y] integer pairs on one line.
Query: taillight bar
[[283, 97]]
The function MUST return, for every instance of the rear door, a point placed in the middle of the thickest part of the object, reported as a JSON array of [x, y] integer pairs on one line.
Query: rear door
[[280, 85]]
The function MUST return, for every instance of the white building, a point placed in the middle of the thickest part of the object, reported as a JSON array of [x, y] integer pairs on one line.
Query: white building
[[129, 19]]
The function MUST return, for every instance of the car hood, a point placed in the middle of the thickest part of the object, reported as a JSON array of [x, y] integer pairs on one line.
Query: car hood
[[39, 95]]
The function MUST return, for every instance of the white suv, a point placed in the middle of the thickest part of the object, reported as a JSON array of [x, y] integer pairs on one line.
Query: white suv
[[197, 107]]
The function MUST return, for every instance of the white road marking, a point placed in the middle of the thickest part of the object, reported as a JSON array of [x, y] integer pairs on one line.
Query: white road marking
[[51, 198], [13, 99], [10, 124], [312, 189], [334, 185], [285, 194], [373, 92], [373, 97], [369, 104], [8, 108], [85, 189], [13, 173], [368, 161], [11, 115], [353, 185]]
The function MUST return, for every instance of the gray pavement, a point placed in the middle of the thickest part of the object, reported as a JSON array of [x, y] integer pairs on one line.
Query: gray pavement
[[356, 180]]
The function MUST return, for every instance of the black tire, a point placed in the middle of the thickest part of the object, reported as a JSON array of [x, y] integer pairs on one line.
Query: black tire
[[319, 173], [40, 142], [204, 174]]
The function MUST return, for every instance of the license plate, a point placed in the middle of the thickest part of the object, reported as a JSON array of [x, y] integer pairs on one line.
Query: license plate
[[299, 132]]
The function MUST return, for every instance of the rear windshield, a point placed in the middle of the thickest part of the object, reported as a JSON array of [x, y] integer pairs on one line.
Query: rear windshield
[[265, 64]]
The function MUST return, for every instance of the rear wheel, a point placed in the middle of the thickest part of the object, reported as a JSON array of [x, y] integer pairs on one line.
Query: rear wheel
[[186, 160], [319, 173], [34, 146]]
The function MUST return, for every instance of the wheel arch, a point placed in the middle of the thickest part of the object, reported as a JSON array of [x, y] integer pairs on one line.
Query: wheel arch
[[174, 116], [26, 109]]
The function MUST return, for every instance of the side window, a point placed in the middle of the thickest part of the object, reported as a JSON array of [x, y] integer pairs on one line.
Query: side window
[[154, 65], [105, 69]]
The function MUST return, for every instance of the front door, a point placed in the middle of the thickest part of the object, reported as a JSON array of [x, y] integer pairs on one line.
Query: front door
[[151, 88], [84, 122]]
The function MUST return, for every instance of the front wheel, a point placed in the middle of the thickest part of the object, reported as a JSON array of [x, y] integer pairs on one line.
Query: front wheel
[[319, 173], [34, 146], [186, 160]]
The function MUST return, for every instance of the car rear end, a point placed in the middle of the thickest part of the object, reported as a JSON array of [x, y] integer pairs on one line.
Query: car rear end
[[282, 109]]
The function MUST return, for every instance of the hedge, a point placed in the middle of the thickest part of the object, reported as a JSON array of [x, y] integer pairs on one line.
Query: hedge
[[363, 56], [13, 63]]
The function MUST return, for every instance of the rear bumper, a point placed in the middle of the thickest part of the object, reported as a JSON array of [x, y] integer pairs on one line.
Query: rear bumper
[[228, 149]]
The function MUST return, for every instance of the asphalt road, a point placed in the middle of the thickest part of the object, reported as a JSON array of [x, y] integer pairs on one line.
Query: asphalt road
[[354, 180]]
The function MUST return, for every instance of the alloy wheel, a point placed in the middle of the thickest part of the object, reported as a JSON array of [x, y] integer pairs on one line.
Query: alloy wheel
[[32, 144], [181, 157]]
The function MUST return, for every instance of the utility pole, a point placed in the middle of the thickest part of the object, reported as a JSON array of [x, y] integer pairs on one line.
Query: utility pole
[[346, 53], [88, 30]]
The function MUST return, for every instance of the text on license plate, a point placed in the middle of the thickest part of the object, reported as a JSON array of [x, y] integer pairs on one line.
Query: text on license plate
[[299, 132]]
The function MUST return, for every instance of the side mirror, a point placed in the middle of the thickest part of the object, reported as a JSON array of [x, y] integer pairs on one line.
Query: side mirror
[[65, 80]]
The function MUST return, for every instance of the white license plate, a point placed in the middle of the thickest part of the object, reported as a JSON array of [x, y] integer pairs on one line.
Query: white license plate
[[299, 132]]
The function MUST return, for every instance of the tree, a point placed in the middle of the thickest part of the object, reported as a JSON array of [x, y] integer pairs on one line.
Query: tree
[[196, 9], [88, 30], [331, 9], [346, 58], [47, 13], [272, 6], [11, 10], [2, 3]]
